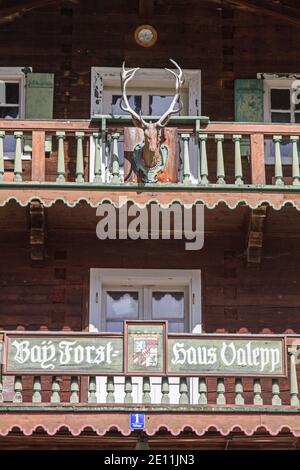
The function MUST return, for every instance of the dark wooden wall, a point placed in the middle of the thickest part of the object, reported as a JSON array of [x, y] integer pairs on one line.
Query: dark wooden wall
[[234, 296], [69, 39]]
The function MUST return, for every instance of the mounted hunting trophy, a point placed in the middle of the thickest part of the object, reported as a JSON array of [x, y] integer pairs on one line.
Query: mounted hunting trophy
[[150, 149]]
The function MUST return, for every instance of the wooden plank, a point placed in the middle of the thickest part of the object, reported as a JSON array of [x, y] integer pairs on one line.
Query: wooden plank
[[258, 173], [38, 156]]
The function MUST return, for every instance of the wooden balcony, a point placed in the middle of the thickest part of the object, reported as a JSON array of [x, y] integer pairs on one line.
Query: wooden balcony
[[214, 161], [30, 399]]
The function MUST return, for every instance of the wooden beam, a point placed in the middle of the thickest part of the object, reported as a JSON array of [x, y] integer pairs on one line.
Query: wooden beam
[[37, 232], [38, 156], [18, 10], [146, 8], [258, 169], [255, 235], [256, 9]]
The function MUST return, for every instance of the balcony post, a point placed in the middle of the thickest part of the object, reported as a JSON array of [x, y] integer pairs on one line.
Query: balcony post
[[183, 391], [38, 156], [97, 160], [128, 390], [37, 387], [18, 398], [296, 174], [219, 138], [115, 168], [110, 389], [92, 398], [239, 399], [258, 169], [61, 169], [79, 158], [278, 164], [293, 376], [202, 391], [165, 389], [276, 400], [146, 390], [186, 159], [257, 400], [2, 135], [238, 170], [18, 157], [74, 397], [203, 178], [221, 399], [55, 388]]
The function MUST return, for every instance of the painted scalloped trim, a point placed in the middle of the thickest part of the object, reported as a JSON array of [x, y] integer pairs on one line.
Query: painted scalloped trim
[[150, 201], [174, 431]]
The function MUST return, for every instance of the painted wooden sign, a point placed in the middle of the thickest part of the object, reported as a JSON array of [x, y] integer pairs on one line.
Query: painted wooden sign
[[146, 349], [53, 354], [256, 356]]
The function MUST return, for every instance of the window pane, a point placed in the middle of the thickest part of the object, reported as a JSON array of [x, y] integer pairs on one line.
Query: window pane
[[297, 117], [12, 93], [114, 327], [167, 305], [280, 99], [281, 117], [159, 104], [122, 304], [134, 101], [175, 327], [7, 112]]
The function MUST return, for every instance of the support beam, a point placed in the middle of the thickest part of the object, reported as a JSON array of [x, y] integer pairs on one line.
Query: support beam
[[255, 235], [19, 9], [37, 232]]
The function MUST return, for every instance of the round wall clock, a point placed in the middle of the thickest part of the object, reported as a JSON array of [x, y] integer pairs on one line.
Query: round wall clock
[[145, 35]]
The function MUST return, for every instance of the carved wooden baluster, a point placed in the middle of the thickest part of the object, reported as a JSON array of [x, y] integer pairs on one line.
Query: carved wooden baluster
[[115, 169], [61, 169], [186, 159], [110, 389], [257, 399], [128, 390], [18, 398], [55, 389], [92, 398], [296, 172], [2, 135], [221, 399], [37, 388], [238, 170], [239, 399], [79, 158], [276, 400], [107, 148], [18, 157], [220, 159], [202, 391], [165, 389], [278, 165], [293, 377], [203, 159], [183, 391], [74, 397], [146, 390], [1, 390], [97, 160]]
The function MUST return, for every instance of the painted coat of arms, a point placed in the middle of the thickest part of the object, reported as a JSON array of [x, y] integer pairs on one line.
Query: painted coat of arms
[[145, 350]]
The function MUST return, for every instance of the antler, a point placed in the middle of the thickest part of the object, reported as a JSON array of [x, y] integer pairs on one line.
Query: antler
[[164, 119], [126, 76]]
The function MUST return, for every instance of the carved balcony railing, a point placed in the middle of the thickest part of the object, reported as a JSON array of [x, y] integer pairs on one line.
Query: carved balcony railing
[[235, 393], [236, 156]]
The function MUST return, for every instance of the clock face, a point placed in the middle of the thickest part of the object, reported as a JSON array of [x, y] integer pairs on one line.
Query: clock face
[[145, 35]]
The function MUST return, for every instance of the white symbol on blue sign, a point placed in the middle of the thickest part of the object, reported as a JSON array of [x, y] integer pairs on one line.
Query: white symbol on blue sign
[[137, 421]]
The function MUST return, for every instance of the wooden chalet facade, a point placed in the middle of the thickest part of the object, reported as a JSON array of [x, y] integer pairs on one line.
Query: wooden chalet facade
[[65, 150]]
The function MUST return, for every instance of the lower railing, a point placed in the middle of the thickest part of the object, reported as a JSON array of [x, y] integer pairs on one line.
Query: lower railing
[[208, 154]]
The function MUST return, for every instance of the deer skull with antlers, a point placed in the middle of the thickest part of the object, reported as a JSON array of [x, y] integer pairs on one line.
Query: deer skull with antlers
[[151, 155]]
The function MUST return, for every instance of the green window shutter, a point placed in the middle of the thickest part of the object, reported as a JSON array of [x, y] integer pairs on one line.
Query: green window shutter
[[39, 102], [248, 104]]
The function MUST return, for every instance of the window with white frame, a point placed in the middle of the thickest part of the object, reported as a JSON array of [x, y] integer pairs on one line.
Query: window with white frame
[[280, 108], [12, 101]]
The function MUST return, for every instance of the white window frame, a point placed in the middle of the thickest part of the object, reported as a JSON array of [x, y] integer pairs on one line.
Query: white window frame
[[16, 74], [100, 277]]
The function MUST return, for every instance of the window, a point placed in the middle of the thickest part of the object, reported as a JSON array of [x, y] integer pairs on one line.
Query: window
[[12, 100], [279, 108]]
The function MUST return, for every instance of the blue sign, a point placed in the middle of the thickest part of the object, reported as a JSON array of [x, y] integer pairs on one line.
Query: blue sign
[[136, 421]]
